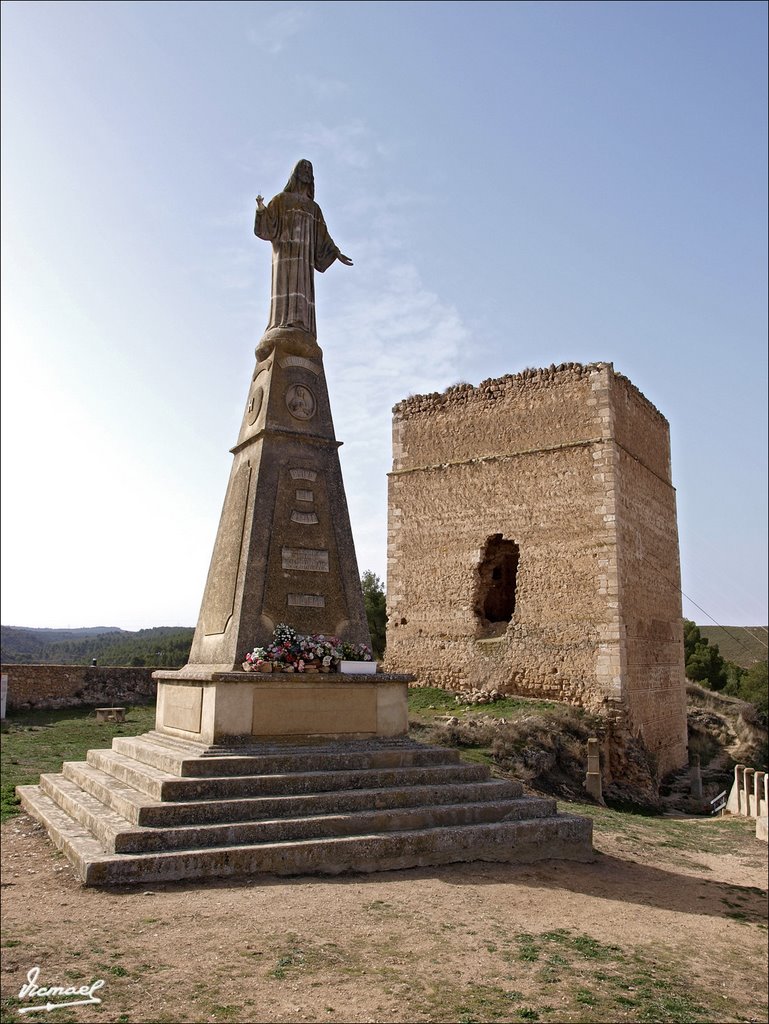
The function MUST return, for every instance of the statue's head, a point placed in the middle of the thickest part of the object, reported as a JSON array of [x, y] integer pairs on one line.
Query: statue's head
[[302, 179]]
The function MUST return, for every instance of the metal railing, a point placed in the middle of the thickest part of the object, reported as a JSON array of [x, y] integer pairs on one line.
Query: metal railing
[[718, 803]]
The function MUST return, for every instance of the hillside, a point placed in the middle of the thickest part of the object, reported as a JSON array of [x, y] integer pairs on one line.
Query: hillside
[[170, 645], [162, 645], [743, 645]]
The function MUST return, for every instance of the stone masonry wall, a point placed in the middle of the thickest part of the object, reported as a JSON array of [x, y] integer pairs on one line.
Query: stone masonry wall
[[62, 686], [572, 465], [649, 580]]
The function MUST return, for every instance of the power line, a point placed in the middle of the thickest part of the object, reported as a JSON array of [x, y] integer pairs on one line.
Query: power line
[[756, 638], [736, 639]]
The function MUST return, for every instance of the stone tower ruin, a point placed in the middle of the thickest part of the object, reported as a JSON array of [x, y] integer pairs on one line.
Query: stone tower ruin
[[533, 547]]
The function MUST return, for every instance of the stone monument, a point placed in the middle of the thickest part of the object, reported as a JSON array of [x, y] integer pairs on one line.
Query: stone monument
[[284, 550]]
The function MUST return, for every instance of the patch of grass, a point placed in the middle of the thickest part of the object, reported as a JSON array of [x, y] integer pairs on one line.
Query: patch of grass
[[431, 701], [477, 755], [299, 955], [226, 1012], [585, 996], [10, 1006], [700, 835], [39, 741], [595, 980], [737, 915], [511, 707], [527, 949], [475, 1003]]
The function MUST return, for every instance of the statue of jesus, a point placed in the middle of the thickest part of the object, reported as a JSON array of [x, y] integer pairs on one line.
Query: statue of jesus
[[301, 244]]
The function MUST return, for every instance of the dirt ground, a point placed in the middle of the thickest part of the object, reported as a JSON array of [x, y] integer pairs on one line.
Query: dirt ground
[[651, 931]]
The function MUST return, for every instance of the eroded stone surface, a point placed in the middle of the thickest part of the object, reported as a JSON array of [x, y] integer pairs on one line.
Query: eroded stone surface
[[557, 480]]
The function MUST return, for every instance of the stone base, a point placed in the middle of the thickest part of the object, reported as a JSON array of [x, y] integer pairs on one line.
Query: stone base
[[155, 808], [236, 707]]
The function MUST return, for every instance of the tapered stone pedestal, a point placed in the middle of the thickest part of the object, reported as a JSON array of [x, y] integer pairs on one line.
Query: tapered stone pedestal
[[284, 553], [284, 550]]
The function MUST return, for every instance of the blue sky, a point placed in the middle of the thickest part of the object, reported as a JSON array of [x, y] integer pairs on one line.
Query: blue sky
[[518, 184]]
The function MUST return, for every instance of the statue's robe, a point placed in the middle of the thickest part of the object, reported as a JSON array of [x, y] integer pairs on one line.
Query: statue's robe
[[301, 244]]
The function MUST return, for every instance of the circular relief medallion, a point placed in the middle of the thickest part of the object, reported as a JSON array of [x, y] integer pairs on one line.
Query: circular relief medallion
[[301, 402], [254, 405]]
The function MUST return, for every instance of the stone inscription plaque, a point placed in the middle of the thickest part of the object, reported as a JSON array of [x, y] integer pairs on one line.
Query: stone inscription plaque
[[306, 364], [306, 601], [182, 707], [303, 474], [308, 518], [305, 496], [305, 559]]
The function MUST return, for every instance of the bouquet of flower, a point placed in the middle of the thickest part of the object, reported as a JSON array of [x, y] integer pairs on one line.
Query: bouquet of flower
[[289, 651], [257, 661], [284, 649], [356, 652]]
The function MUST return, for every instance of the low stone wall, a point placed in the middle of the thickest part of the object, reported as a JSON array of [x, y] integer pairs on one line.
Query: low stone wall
[[63, 686]]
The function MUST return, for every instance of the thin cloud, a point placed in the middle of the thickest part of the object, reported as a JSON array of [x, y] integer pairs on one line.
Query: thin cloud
[[276, 31], [322, 88], [392, 337], [350, 143]]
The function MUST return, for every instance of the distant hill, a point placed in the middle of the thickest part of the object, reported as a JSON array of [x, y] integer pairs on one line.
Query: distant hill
[[164, 646], [169, 646], [744, 645]]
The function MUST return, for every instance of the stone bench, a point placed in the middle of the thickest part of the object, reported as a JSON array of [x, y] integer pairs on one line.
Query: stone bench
[[110, 714]]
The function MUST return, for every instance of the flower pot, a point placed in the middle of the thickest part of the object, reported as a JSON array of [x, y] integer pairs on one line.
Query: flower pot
[[247, 666], [264, 666], [358, 667], [311, 668]]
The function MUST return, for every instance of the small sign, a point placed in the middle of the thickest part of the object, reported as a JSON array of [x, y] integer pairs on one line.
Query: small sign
[[306, 601], [305, 559]]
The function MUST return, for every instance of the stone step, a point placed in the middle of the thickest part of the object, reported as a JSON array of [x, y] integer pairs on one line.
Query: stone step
[[118, 796], [282, 745], [162, 785], [117, 834], [562, 836], [140, 809], [101, 821], [185, 762]]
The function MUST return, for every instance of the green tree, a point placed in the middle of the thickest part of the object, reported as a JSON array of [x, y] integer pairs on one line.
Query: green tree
[[376, 610], [704, 663], [754, 687], [692, 638]]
